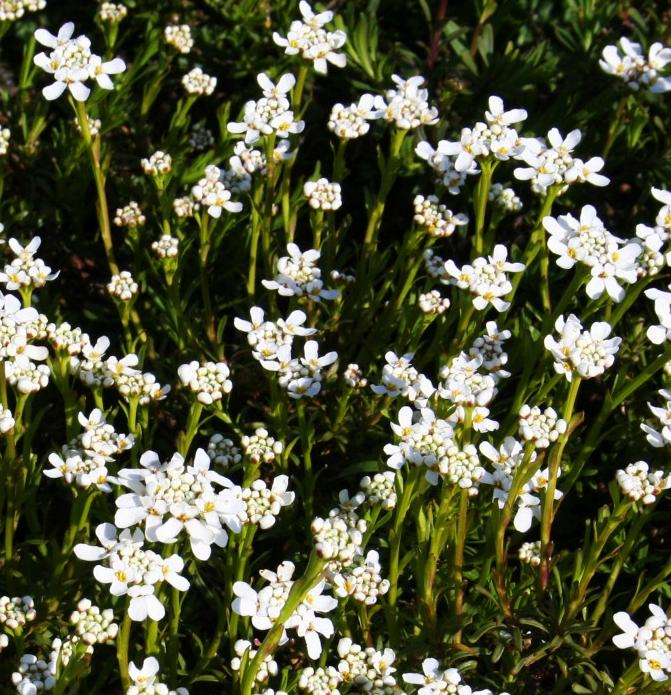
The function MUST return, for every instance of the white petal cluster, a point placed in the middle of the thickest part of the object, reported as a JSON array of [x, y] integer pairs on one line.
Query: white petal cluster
[[542, 427], [26, 270], [209, 380], [433, 303], [489, 347], [157, 164], [338, 537], [17, 328], [122, 286], [5, 135], [611, 260], [322, 194], [638, 482], [436, 218], [308, 37], [362, 580], [172, 498], [16, 611], [261, 447], [35, 675], [112, 12], [466, 381], [407, 104], [319, 681], [72, 63], [628, 62], [264, 504], [652, 641], [83, 462], [586, 353], [211, 193], [366, 669], [400, 378], [353, 121], [201, 137], [265, 606], [267, 668], [437, 681], [27, 376], [145, 680], [11, 10], [223, 451], [485, 278], [504, 198], [443, 167], [130, 216], [198, 83], [380, 489], [299, 276], [551, 163], [7, 421], [92, 625], [271, 114], [166, 247], [530, 553], [132, 570], [179, 37], [661, 332], [663, 415]]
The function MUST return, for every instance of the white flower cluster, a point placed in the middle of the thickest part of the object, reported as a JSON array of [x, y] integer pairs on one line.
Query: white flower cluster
[[5, 135], [35, 675], [83, 462], [223, 451], [130, 216], [338, 537], [652, 641], [485, 278], [211, 193], [637, 70], [368, 670], [112, 12], [92, 625], [506, 460], [209, 381], [298, 276], [663, 415], [265, 606], [122, 286], [145, 680], [72, 63], [610, 259], [157, 164], [179, 37], [173, 497], [166, 247], [320, 681], [11, 10], [586, 353], [263, 504], [7, 421], [198, 83], [266, 669], [323, 194], [436, 218], [426, 440], [530, 553], [400, 378], [131, 570], [270, 114], [16, 612], [504, 198], [638, 482], [354, 377], [542, 427], [380, 489], [201, 137], [308, 37], [351, 122], [261, 447], [362, 580], [436, 681], [26, 270], [433, 303], [407, 104], [555, 165], [464, 384], [489, 347], [185, 206]]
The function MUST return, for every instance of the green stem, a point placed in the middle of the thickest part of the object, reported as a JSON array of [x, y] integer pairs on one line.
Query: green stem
[[122, 640], [481, 198], [459, 545]]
